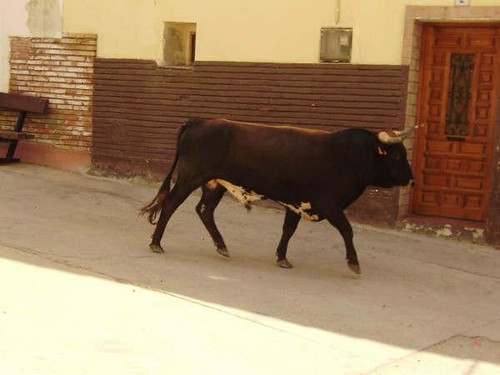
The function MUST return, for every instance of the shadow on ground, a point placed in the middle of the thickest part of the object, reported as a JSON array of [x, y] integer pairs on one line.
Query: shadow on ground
[[416, 292]]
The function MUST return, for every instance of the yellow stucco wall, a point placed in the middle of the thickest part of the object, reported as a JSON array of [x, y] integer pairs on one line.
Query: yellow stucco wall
[[227, 30], [242, 30]]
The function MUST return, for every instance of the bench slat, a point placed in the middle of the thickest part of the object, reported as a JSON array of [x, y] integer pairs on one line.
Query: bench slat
[[15, 135], [9, 160], [24, 103]]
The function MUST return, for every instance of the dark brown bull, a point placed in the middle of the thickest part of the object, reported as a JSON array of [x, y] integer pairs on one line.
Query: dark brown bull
[[313, 174]]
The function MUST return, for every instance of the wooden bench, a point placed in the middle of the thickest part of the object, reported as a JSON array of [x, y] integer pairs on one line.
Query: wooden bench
[[24, 105]]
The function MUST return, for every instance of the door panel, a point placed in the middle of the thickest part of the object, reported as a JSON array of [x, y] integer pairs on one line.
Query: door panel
[[457, 104]]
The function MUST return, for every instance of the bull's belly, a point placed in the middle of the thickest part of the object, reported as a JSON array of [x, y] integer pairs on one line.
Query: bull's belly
[[246, 197]]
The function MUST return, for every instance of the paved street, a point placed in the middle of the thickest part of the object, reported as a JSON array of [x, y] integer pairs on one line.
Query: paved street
[[82, 293]]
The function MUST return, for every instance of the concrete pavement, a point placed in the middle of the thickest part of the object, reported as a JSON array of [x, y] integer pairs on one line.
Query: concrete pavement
[[82, 294]]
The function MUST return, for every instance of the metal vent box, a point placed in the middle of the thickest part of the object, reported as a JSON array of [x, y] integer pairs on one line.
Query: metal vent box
[[336, 44]]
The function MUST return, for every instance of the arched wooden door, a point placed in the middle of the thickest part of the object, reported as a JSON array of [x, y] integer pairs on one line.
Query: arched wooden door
[[458, 98]]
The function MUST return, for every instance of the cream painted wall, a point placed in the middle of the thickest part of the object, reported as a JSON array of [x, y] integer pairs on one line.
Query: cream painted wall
[[379, 26], [125, 28], [227, 30], [238, 30], [11, 12], [242, 30]]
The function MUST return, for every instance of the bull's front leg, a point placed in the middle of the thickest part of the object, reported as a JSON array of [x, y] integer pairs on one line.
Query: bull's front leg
[[289, 226], [339, 221]]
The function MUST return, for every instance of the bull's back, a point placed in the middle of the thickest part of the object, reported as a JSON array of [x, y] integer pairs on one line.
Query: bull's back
[[202, 145], [274, 160], [270, 160]]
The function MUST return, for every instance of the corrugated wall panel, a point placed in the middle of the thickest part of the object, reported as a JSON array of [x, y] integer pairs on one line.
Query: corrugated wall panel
[[139, 106]]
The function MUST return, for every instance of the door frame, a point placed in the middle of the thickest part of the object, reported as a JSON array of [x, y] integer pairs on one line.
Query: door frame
[[425, 61], [416, 17]]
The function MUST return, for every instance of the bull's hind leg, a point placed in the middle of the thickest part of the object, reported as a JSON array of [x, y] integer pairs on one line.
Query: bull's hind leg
[[173, 200], [289, 226], [211, 197], [340, 222]]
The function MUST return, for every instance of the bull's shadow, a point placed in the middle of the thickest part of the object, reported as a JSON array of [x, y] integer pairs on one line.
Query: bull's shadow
[[410, 289]]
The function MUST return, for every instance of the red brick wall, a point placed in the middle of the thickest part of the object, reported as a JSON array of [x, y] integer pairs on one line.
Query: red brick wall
[[61, 70]]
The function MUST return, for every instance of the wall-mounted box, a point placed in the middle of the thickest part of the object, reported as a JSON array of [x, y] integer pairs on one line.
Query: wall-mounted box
[[336, 44]]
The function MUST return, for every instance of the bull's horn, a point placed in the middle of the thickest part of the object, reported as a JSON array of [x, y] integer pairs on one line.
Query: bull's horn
[[394, 136]]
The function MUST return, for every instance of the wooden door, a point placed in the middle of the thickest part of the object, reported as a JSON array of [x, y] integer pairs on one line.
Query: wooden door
[[457, 103]]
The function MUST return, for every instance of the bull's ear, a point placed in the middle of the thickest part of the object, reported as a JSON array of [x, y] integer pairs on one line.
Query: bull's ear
[[380, 150]]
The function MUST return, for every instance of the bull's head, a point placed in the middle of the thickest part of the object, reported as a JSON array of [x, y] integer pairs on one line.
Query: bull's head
[[392, 168]]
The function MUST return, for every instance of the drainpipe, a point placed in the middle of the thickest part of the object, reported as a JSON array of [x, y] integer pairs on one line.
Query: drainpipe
[[337, 12]]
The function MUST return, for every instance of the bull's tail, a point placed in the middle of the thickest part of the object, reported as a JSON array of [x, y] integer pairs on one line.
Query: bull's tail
[[153, 208]]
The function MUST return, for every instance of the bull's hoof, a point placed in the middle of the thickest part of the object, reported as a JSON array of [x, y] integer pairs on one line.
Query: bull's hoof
[[354, 268], [156, 248], [284, 263], [223, 251]]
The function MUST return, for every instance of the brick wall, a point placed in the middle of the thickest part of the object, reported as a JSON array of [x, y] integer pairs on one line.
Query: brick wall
[[61, 70]]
